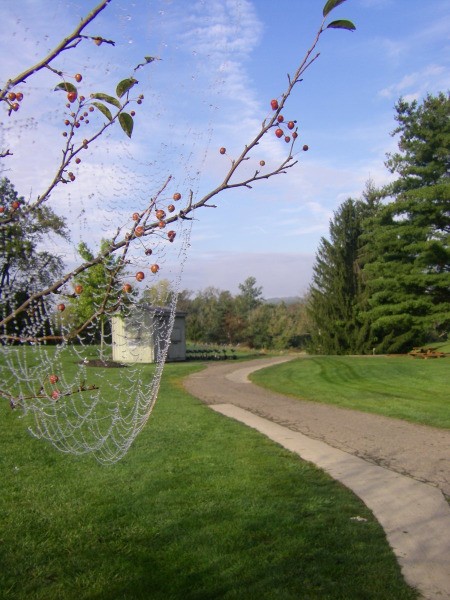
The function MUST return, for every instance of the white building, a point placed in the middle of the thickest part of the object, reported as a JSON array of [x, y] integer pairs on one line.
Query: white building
[[142, 335]]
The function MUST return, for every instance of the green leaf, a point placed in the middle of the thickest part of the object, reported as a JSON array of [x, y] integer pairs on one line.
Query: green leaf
[[126, 122], [330, 5], [342, 24], [66, 87], [106, 98], [125, 85], [103, 109]]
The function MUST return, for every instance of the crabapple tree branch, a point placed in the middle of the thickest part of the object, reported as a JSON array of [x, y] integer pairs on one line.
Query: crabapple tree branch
[[151, 219]]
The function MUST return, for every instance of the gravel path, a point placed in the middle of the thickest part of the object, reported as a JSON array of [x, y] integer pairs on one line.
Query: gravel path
[[418, 451]]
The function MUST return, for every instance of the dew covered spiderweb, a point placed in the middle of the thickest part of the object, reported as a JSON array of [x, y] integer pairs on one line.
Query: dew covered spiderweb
[[85, 389]]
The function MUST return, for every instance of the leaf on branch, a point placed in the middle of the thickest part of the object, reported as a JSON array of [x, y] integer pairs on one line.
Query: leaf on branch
[[147, 59], [330, 5], [103, 109], [125, 85], [65, 86], [342, 24], [106, 98], [126, 122]]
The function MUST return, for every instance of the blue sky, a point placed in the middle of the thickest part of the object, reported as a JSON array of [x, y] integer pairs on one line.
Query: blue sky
[[221, 63]]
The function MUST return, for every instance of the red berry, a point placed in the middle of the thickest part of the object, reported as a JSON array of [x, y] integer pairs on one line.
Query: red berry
[[262, 163], [61, 307], [279, 133], [171, 235], [154, 268], [53, 379], [19, 96], [171, 208], [72, 96], [78, 77], [140, 276], [160, 214], [126, 288], [15, 106], [135, 216], [305, 148], [274, 104], [177, 196], [78, 160], [12, 96], [148, 251], [291, 125], [15, 205], [161, 224], [91, 109], [2, 209], [287, 139], [78, 289], [55, 394], [295, 135], [222, 150], [280, 118], [139, 231], [132, 113]]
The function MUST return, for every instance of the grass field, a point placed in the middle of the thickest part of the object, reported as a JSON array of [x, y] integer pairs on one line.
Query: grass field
[[200, 508], [416, 390]]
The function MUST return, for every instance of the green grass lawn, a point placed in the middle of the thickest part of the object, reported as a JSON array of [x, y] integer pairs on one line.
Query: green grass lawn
[[416, 390], [200, 508]]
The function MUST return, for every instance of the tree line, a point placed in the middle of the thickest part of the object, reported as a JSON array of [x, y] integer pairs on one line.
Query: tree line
[[381, 280]]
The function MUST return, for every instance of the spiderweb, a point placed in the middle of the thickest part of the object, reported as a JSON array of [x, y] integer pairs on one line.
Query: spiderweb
[[88, 389]]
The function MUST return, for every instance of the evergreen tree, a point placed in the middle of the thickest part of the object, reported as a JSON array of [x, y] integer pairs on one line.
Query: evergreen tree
[[336, 286], [406, 255]]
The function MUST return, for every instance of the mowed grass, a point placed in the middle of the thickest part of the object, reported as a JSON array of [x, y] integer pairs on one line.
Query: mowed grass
[[200, 508], [407, 388]]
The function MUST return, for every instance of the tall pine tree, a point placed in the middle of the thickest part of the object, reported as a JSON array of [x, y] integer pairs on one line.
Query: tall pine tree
[[335, 289], [407, 254]]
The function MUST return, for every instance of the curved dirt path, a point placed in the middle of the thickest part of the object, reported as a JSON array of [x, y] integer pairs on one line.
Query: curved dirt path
[[418, 451], [388, 463]]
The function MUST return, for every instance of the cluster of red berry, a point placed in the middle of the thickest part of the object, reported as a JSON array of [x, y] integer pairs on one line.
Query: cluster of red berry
[[139, 231], [55, 392], [291, 125], [15, 205], [13, 100]]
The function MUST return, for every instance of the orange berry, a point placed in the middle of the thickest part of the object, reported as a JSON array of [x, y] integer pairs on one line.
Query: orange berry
[[177, 196], [19, 96], [140, 276], [135, 216], [291, 125], [139, 231], [160, 214], [279, 133], [126, 288], [78, 77], [171, 208], [274, 104], [154, 268], [78, 289], [72, 96]]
